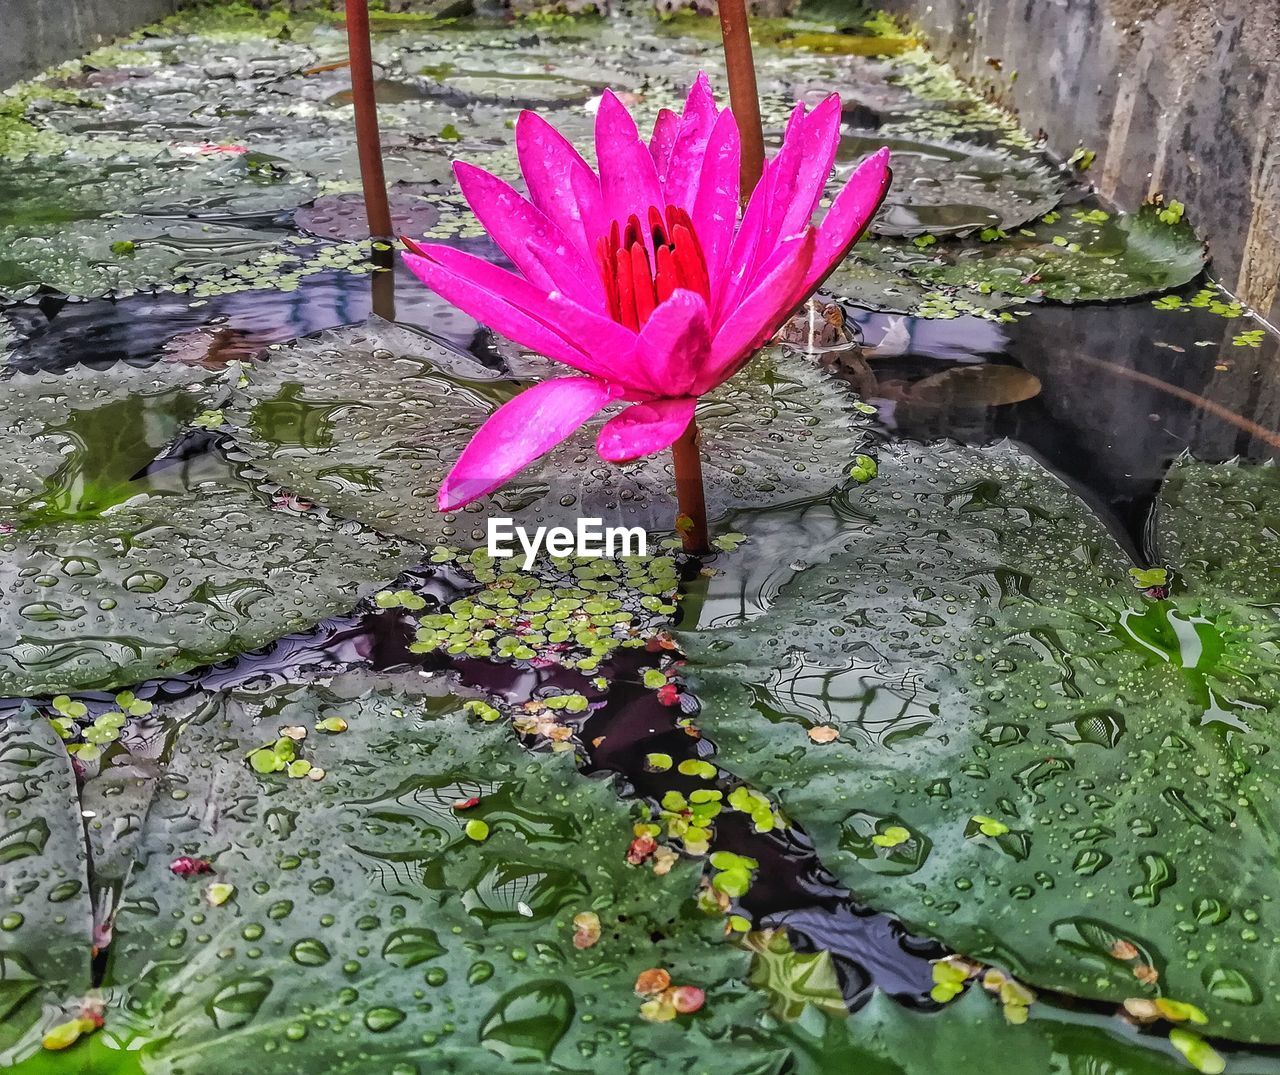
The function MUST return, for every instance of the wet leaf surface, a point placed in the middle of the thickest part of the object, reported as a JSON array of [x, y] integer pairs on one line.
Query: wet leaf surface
[[45, 914], [943, 670], [367, 928], [343, 216], [117, 566], [1071, 260], [953, 188], [368, 420], [973, 634]]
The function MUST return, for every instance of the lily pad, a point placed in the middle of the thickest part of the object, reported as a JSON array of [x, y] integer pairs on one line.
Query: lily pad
[[533, 78], [367, 420], [46, 920], [366, 930], [119, 564], [972, 632], [955, 188], [342, 216], [350, 922], [130, 223], [124, 257], [871, 281], [1076, 259]]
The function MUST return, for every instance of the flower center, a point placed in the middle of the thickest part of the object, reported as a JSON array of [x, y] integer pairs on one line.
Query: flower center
[[633, 282]]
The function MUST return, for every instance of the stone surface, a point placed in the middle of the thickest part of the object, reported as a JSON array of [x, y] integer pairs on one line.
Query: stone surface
[[53, 32]]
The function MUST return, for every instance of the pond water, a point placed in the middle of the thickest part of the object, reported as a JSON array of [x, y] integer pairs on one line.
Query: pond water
[[957, 747]]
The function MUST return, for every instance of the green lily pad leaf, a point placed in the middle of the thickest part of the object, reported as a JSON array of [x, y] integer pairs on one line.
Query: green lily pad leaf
[[364, 915], [368, 420], [871, 285], [1071, 260], [1082, 774], [116, 569], [343, 216], [520, 78], [1244, 500], [46, 920], [53, 232], [955, 188], [84, 260]]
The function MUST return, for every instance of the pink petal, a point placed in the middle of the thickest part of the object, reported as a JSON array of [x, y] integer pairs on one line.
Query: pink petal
[[781, 287], [675, 343], [539, 249], [696, 124], [783, 169], [520, 431], [715, 207], [818, 139], [665, 129], [612, 341], [560, 182], [784, 201], [644, 428], [761, 229], [505, 302], [701, 101], [736, 275], [628, 178], [849, 215]]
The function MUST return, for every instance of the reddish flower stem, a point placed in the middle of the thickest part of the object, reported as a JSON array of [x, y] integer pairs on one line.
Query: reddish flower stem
[[745, 102], [692, 523], [743, 96], [744, 99], [366, 109]]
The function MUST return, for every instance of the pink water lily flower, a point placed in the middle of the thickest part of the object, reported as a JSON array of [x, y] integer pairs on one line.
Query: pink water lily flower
[[643, 276]]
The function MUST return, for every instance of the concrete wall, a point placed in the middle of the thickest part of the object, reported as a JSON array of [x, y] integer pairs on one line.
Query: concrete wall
[[1176, 96], [37, 33]]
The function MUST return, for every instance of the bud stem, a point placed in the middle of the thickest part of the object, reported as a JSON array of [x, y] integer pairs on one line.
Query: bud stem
[[366, 109], [743, 96]]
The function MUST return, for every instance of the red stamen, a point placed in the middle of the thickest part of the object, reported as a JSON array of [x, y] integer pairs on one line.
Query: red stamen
[[657, 229], [604, 259], [642, 277], [626, 290], [667, 278], [633, 284], [690, 264]]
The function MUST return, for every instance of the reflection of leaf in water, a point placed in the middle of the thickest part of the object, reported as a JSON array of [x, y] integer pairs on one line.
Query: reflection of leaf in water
[[863, 698], [974, 386], [793, 980], [511, 891], [527, 1023], [108, 446], [1111, 742]]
